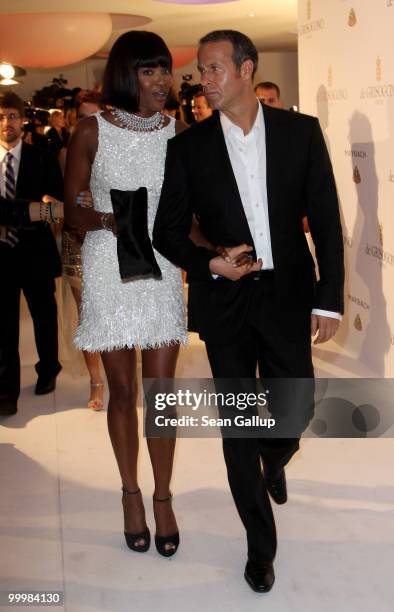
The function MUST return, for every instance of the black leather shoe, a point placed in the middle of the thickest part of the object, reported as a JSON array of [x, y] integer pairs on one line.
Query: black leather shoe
[[7, 408], [45, 385], [276, 486], [259, 577]]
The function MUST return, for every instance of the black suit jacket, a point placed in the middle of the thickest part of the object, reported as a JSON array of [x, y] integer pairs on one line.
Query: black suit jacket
[[199, 179], [36, 255]]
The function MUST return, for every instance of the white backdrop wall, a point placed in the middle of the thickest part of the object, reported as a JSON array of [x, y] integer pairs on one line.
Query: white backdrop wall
[[346, 70]]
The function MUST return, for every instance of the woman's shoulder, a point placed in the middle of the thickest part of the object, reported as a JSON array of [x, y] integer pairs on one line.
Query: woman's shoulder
[[86, 127]]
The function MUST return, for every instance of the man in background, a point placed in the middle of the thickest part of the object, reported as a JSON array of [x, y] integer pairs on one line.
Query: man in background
[[269, 93], [201, 109], [29, 260]]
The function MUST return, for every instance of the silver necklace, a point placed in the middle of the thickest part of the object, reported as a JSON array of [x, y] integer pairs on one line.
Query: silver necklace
[[136, 123]]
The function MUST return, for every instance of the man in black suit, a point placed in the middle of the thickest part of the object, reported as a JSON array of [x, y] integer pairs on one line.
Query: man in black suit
[[29, 259], [247, 173]]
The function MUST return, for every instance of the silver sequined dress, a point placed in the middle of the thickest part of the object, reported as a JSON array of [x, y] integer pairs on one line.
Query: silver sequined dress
[[144, 313]]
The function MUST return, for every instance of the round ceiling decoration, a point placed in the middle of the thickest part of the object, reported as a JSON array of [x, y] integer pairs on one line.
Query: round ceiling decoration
[[182, 56], [45, 40], [122, 21]]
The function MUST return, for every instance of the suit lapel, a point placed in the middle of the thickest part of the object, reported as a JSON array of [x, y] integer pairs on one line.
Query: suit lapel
[[228, 185], [275, 147]]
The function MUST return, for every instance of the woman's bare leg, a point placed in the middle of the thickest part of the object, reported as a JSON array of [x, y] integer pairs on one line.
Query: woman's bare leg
[[120, 368], [161, 363], [92, 360]]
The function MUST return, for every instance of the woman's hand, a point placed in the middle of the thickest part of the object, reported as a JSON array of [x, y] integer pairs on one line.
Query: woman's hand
[[84, 199]]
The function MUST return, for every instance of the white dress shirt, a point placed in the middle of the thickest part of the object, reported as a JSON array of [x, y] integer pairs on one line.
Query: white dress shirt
[[248, 160], [16, 153]]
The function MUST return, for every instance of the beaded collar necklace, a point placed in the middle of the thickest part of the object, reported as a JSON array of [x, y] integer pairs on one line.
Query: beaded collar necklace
[[130, 121]]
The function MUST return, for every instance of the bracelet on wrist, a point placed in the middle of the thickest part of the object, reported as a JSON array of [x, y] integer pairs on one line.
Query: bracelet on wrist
[[52, 218], [106, 221]]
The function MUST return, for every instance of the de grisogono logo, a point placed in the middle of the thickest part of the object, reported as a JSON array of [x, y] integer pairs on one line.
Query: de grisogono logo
[[379, 90], [311, 25], [377, 251], [330, 94]]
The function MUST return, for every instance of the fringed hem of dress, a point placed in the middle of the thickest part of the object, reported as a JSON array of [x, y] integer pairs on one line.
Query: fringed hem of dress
[[93, 348]]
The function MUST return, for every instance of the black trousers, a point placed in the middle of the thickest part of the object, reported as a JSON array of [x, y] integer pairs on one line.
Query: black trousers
[[40, 297], [278, 343]]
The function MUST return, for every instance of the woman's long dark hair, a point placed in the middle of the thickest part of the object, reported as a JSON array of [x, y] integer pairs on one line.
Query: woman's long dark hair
[[132, 50]]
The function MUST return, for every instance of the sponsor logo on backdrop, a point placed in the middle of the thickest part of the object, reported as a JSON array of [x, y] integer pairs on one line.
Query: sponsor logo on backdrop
[[358, 301], [378, 92], [328, 94], [378, 69], [348, 241], [311, 25], [356, 175], [329, 76], [391, 176], [356, 153], [377, 251], [352, 19], [381, 233], [358, 323]]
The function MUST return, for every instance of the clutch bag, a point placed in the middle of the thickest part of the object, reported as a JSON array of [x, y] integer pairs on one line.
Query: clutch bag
[[135, 252]]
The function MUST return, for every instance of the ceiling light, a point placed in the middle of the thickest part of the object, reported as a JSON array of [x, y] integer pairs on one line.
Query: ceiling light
[[7, 71], [9, 82]]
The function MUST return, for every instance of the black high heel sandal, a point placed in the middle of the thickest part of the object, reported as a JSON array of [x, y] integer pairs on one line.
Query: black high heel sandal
[[133, 538], [162, 541]]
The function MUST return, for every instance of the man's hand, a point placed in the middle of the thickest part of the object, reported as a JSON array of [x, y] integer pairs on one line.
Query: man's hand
[[56, 206], [237, 256], [8, 236], [234, 263], [324, 327]]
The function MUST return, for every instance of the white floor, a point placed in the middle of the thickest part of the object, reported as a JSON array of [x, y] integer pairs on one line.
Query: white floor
[[61, 517]]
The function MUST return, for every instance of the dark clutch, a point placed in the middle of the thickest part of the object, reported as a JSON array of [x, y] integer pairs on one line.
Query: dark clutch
[[135, 252]]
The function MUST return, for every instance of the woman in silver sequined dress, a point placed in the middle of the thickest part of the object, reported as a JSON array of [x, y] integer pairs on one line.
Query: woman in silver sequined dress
[[124, 148]]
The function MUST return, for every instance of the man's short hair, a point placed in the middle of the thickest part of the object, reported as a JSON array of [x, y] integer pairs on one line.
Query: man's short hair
[[269, 85], [199, 94], [9, 99], [243, 48]]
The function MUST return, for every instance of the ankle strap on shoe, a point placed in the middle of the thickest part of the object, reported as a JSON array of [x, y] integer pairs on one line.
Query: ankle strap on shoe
[[165, 499], [124, 490]]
